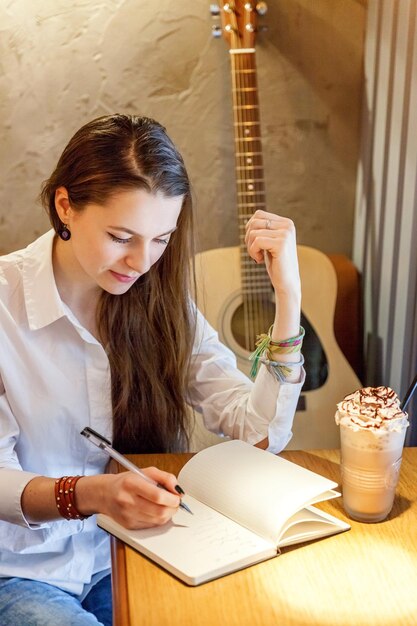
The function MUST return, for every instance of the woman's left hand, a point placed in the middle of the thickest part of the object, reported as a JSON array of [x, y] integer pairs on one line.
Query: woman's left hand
[[271, 238]]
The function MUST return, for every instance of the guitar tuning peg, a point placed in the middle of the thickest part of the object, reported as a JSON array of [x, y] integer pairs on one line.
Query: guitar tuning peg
[[216, 31], [261, 8], [214, 10]]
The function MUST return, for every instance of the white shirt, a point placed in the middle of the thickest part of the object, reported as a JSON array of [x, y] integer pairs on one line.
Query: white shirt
[[55, 380]]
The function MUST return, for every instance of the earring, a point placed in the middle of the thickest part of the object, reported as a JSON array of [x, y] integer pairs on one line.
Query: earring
[[64, 233]]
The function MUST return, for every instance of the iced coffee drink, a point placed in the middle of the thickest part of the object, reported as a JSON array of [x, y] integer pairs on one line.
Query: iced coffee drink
[[372, 433]]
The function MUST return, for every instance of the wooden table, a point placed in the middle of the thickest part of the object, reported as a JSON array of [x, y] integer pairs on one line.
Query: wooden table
[[364, 577]]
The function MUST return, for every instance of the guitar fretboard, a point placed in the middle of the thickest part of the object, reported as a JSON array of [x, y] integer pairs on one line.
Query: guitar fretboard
[[250, 183]]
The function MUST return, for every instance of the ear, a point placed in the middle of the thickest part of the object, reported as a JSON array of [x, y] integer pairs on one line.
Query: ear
[[62, 205]]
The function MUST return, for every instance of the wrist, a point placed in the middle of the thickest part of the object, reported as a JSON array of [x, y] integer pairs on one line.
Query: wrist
[[89, 494], [284, 348]]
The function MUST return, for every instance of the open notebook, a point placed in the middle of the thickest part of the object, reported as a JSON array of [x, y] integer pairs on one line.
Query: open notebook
[[247, 504]]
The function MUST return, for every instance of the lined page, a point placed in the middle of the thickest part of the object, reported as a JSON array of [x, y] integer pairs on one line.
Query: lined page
[[256, 488], [196, 547]]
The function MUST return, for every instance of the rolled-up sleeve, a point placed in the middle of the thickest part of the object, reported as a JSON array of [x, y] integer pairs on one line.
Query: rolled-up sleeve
[[230, 403], [12, 479]]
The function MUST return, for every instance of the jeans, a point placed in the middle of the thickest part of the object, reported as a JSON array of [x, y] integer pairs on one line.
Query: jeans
[[31, 603]]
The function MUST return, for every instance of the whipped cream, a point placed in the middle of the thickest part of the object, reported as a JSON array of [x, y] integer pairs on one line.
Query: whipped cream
[[375, 408]]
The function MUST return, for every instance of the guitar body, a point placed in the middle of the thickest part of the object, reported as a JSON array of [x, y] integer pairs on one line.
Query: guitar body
[[236, 295], [219, 295]]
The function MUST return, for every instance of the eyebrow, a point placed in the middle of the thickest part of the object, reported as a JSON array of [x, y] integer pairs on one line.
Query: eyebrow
[[132, 232]]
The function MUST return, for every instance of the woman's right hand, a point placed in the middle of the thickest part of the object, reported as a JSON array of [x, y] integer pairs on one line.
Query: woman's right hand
[[129, 499]]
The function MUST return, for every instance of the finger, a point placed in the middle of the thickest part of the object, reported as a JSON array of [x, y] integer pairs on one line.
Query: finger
[[168, 480], [138, 487], [260, 219], [258, 244], [146, 515], [139, 501]]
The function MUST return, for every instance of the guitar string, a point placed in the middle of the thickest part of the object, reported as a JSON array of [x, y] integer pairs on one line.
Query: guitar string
[[237, 117], [259, 177], [237, 120], [259, 196], [254, 191], [246, 103], [242, 115], [247, 308]]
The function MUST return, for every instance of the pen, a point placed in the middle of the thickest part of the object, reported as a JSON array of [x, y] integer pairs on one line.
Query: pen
[[103, 443]]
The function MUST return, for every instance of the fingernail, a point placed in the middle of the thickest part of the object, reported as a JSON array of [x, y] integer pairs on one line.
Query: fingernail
[[179, 490]]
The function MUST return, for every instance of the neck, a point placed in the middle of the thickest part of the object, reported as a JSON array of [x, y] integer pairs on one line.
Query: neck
[[74, 287]]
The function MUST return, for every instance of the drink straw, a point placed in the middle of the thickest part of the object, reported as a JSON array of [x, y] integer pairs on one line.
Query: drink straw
[[409, 393]]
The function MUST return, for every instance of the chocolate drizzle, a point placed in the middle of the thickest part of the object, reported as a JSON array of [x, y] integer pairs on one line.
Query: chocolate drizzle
[[371, 407]]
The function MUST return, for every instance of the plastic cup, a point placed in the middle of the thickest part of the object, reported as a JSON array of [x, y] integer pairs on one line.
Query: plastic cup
[[370, 466]]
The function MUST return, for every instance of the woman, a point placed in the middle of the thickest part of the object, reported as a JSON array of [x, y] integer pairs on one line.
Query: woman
[[98, 329]]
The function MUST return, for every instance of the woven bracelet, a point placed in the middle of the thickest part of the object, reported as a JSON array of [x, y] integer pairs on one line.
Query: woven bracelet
[[65, 497], [265, 345]]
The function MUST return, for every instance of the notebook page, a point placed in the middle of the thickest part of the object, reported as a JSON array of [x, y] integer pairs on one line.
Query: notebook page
[[310, 523], [256, 488], [196, 547]]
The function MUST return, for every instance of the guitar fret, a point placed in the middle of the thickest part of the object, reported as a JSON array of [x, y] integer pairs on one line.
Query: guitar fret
[[262, 282], [250, 163], [250, 180], [246, 106], [264, 287], [254, 131], [249, 123], [247, 138], [262, 278], [257, 271], [243, 89], [260, 188], [251, 193], [258, 279], [247, 154]]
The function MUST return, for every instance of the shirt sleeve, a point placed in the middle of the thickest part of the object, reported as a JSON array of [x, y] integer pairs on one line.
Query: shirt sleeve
[[13, 479], [233, 405]]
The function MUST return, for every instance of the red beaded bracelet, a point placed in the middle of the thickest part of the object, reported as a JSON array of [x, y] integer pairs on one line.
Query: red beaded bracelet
[[65, 497]]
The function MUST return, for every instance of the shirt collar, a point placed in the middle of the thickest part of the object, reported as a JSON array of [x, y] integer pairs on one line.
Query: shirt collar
[[42, 300]]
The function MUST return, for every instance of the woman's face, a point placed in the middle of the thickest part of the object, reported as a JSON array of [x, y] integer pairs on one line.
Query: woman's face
[[113, 244]]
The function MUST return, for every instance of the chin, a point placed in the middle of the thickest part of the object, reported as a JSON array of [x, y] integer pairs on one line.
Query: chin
[[115, 289]]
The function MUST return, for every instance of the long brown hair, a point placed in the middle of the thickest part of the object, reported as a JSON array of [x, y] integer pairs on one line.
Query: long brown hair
[[148, 331]]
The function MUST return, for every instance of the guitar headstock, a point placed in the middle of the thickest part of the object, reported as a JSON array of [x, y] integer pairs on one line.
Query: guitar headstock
[[239, 21]]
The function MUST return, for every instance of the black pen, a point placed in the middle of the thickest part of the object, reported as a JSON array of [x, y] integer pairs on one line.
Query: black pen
[[104, 444]]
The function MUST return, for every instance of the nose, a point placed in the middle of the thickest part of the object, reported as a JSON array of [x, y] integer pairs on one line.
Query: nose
[[139, 259]]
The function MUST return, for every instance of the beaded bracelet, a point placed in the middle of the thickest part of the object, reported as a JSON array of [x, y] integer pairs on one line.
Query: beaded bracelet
[[65, 497], [266, 345]]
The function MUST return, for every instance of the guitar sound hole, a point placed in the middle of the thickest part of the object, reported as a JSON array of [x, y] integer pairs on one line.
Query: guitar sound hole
[[262, 317]]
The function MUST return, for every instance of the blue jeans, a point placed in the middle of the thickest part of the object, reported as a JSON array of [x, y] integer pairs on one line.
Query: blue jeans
[[30, 603]]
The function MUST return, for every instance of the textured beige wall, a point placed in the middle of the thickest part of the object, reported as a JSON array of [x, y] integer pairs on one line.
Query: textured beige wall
[[64, 62]]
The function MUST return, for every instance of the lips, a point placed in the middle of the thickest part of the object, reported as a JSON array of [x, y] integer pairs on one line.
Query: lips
[[123, 278]]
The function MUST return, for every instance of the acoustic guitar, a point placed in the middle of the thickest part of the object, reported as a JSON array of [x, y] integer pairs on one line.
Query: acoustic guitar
[[235, 294]]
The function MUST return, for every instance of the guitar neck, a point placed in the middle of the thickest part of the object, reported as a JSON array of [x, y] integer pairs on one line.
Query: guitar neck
[[250, 183]]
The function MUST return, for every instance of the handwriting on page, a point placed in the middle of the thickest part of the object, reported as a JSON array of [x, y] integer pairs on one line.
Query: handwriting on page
[[202, 545], [229, 539]]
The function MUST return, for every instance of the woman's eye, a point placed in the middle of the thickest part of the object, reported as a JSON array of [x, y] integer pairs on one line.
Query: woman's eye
[[118, 239], [163, 242]]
